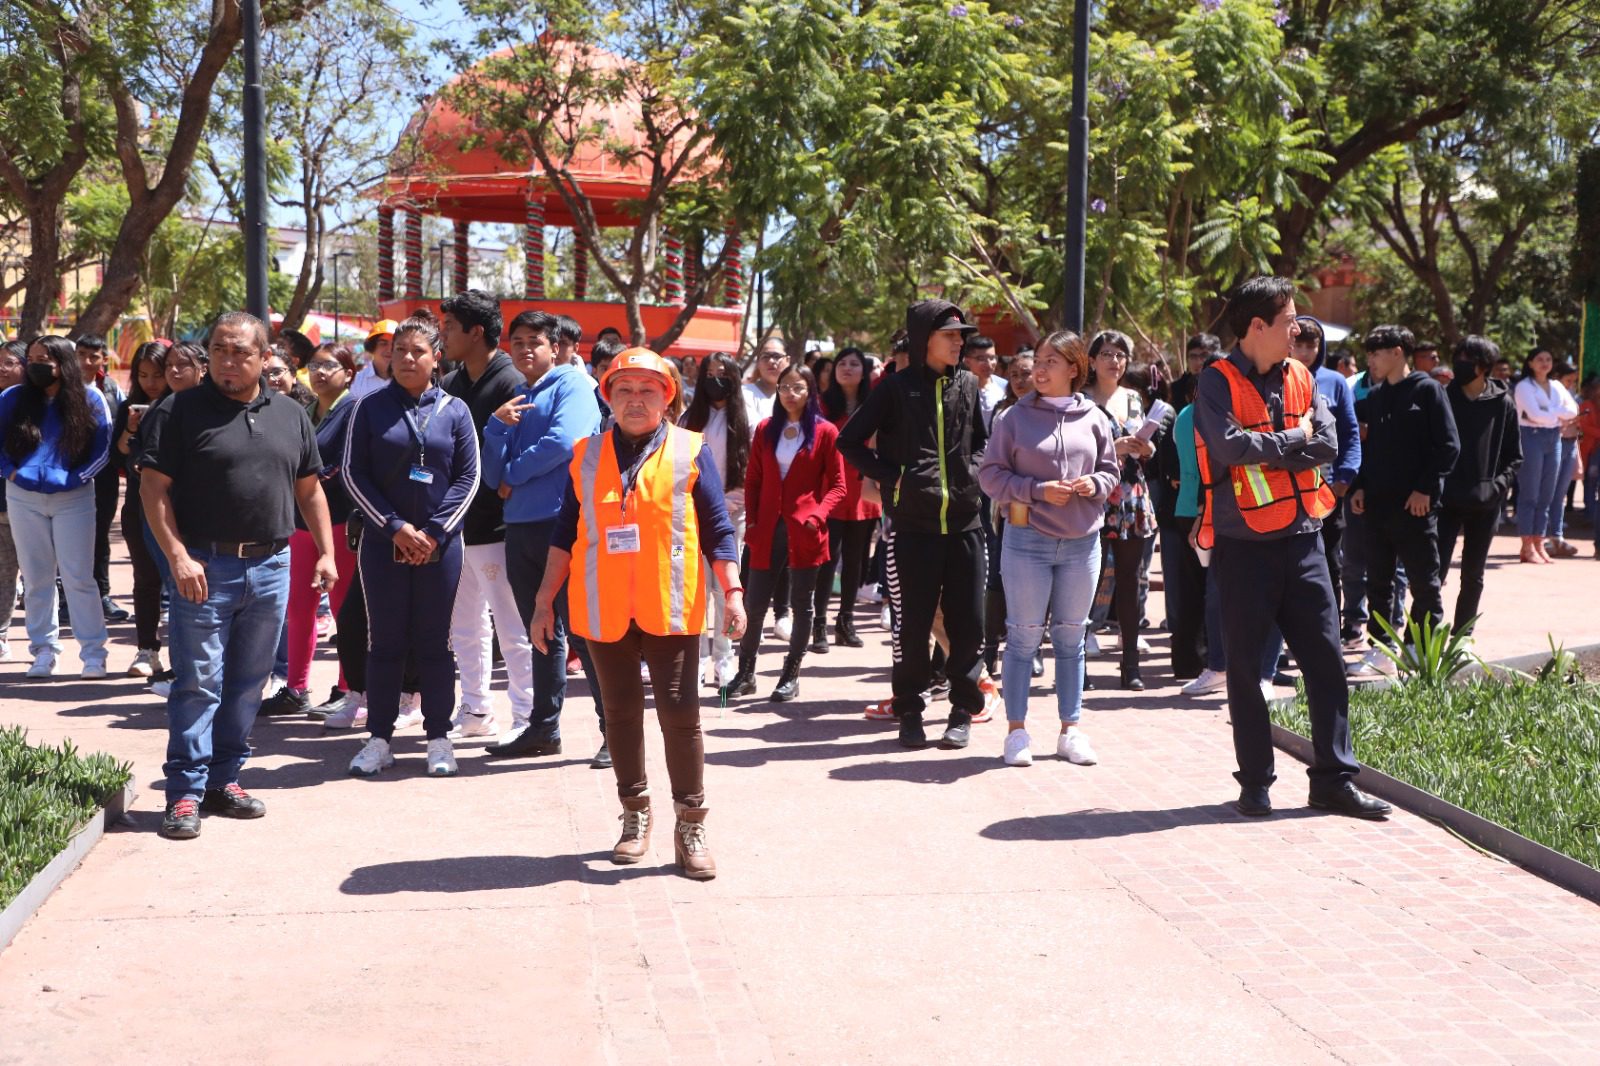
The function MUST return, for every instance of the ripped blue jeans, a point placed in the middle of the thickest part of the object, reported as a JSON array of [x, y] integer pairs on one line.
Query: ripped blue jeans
[[1047, 580]]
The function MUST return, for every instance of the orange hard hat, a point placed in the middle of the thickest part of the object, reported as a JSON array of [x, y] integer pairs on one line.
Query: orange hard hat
[[638, 359]]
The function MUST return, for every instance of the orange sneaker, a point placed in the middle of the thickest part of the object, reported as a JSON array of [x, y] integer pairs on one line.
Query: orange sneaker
[[992, 702], [883, 711]]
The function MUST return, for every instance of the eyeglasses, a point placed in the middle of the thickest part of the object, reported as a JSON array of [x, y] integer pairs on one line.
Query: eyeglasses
[[275, 371], [328, 367], [797, 389], [773, 357]]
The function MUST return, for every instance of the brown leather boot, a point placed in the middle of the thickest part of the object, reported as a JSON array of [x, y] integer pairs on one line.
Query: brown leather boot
[[634, 843], [689, 841]]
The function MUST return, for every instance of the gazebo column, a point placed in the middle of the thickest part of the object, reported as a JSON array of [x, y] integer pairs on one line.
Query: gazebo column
[[733, 269], [413, 254], [533, 249], [463, 250], [385, 253], [672, 274], [580, 266], [691, 261]]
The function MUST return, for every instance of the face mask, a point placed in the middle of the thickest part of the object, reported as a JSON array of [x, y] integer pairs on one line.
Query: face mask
[[1466, 370], [717, 389], [43, 375]]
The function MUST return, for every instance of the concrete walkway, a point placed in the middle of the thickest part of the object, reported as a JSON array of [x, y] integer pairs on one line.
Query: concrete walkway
[[874, 905]]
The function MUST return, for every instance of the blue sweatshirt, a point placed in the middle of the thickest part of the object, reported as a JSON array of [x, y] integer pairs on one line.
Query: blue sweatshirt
[[1342, 403], [381, 450], [532, 456], [47, 470]]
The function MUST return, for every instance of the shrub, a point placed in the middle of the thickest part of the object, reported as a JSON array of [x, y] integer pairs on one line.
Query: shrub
[[46, 795]]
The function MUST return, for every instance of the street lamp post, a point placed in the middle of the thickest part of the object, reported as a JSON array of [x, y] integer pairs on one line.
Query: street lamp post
[[255, 164], [1077, 171], [336, 256]]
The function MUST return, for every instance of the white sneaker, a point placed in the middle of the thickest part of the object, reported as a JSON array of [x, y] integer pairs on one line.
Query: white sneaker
[[5, 651], [1374, 664], [161, 689], [1208, 682], [883, 618], [869, 594], [144, 664], [1073, 746], [94, 670], [1269, 692], [44, 665], [352, 715], [1091, 644], [473, 724], [1355, 643], [1017, 751], [783, 628], [373, 757], [441, 758], [410, 711], [1143, 645]]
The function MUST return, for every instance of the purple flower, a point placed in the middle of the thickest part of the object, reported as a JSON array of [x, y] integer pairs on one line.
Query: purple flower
[[1015, 22], [686, 51], [958, 11], [1285, 110], [1097, 205], [1210, 5], [1280, 19]]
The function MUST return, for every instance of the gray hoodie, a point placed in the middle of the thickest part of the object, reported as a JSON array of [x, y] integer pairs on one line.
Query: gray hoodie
[[1034, 442]]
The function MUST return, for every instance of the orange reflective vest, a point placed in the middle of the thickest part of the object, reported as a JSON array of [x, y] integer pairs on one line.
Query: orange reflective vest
[[1269, 498], [637, 555]]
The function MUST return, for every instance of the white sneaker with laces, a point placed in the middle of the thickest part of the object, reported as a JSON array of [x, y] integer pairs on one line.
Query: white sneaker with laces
[[5, 651], [1017, 750], [1091, 644], [783, 628], [1208, 682], [44, 665], [473, 724], [145, 663], [1074, 747], [94, 670], [161, 689], [441, 758], [1374, 664], [352, 715], [410, 711], [373, 757]]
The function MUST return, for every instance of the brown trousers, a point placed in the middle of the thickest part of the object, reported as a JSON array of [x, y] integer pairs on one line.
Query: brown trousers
[[673, 663]]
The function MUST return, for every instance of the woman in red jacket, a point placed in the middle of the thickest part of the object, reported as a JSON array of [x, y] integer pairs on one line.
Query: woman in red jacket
[[851, 524], [794, 481]]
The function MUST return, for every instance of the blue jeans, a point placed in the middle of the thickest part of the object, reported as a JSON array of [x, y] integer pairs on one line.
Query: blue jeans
[[1054, 577], [1566, 466], [54, 532], [1536, 481], [221, 657]]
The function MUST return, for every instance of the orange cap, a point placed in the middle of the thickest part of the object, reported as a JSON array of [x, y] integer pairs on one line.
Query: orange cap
[[638, 359]]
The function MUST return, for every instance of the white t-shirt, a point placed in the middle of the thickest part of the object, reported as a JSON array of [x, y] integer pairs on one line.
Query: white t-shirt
[[789, 442], [989, 397], [758, 403], [1541, 409], [365, 381]]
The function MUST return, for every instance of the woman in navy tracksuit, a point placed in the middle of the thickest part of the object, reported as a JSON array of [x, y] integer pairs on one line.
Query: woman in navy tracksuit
[[411, 465]]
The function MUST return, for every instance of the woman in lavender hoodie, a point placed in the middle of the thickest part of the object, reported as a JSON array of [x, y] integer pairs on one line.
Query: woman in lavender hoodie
[[1051, 464]]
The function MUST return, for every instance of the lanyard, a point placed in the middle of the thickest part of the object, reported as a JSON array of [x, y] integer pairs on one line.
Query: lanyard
[[630, 475], [419, 433]]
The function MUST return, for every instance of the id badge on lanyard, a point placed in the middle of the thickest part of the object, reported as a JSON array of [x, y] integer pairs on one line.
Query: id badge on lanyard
[[419, 471], [623, 538]]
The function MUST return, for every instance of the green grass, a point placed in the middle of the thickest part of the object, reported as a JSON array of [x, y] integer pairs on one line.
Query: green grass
[[1521, 752], [46, 795]]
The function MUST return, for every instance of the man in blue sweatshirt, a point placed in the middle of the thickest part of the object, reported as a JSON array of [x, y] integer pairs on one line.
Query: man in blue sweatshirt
[[527, 449], [1311, 348]]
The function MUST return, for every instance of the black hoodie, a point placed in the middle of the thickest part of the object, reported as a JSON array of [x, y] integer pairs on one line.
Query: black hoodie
[[929, 436], [1411, 441], [1491, 446], [500, 381]]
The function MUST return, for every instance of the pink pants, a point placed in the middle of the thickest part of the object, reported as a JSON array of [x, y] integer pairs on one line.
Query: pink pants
[[303, 599]]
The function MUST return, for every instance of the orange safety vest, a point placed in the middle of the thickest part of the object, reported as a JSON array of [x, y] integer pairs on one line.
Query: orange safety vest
[[1269, 498], [637, 555]]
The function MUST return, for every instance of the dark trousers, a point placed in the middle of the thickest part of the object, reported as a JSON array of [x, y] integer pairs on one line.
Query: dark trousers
[[527, 549], [1127, 559], [1283, 582], [1476, 527], [1186, 592], [767, 584], [848, 540], [673, 663], [1394, 534], [408, 612], [107, 494], [1333, 548], [146, 578], [929, 572]]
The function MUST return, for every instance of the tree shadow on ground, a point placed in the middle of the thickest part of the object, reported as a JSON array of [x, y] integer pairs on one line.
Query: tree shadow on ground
[[492, 873], [1099, 823], [918, 768]]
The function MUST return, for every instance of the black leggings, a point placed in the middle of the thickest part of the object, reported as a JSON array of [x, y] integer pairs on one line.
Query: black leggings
[[847, 555], [146, 576], [759, 592], [1127, 556]]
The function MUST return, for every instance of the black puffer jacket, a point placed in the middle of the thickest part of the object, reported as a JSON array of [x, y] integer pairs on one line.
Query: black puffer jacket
[[1491, 446], [929, 436]]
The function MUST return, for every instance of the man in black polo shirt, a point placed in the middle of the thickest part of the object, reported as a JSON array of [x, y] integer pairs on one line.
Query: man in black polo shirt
[[222, 472]]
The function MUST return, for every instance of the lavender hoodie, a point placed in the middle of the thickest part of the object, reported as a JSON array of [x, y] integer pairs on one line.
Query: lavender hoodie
[[1033, 442]]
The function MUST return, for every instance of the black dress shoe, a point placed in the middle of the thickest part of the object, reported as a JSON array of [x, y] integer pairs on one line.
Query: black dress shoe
[[524, 744], [285, 701], [1348, 799], [113, 612], [602, 758], [1282, 680], [958, 732], [232, 801], [1037, 668], [1132, 681], [911, 733], [1255, 800]]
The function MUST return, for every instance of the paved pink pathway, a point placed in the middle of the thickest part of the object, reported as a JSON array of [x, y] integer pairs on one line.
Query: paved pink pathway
[[873, 906]]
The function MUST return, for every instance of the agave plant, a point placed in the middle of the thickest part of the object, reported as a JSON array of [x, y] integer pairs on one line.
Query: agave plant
[[1429, 654]]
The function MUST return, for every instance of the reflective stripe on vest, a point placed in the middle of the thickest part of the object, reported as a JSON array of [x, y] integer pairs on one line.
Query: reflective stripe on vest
[[682, 467], [595, 447]]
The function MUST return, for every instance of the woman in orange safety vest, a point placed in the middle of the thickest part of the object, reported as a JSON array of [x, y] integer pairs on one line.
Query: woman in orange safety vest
[[642, 519]]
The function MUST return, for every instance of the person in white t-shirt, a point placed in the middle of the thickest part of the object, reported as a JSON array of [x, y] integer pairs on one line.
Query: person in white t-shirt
[[978, 356], [771, 361], [374, 373]]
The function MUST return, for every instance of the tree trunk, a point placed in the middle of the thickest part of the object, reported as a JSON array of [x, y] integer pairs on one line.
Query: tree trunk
[[44, 264]]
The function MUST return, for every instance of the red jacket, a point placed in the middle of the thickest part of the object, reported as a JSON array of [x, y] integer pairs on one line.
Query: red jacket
[[803, 500], [852, 507]]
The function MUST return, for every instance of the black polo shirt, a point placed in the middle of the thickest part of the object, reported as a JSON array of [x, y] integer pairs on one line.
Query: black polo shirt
[[233, 465]]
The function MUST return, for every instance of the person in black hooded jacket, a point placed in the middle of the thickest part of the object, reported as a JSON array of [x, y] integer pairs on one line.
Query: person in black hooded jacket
[[1491, 453], [930, 440], [1410, 447]]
